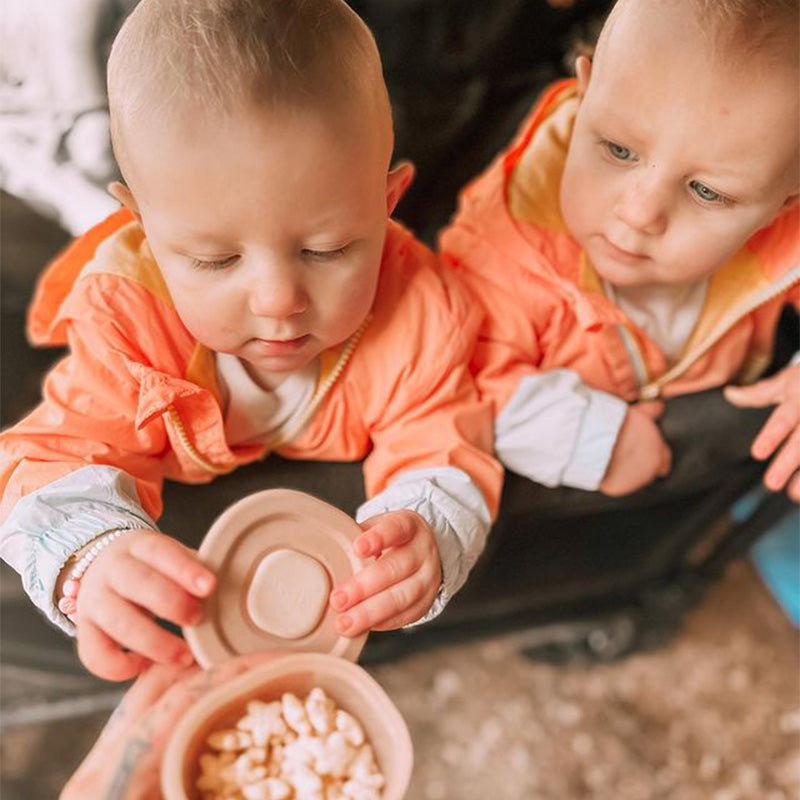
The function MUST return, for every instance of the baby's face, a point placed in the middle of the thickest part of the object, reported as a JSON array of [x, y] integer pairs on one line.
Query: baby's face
[[268, 230], [676, 159]]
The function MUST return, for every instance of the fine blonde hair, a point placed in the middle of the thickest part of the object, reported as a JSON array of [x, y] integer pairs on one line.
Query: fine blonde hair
[[215, 56]]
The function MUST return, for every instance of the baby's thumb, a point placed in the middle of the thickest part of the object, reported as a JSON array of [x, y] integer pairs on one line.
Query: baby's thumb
[[763, 393]]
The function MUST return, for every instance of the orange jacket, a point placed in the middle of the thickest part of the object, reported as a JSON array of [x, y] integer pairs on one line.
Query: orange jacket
[[137, 392], [545, 303]]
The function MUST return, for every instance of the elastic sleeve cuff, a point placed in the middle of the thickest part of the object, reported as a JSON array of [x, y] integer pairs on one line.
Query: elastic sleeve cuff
[[49, 525], [602, 419], [81, 530], [450, 502]]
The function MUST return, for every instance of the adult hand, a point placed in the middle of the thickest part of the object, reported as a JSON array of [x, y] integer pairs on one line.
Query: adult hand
[[125, 761], [782, 428]]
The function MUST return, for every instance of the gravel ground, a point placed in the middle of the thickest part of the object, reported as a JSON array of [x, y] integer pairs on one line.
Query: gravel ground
[[714, 716]]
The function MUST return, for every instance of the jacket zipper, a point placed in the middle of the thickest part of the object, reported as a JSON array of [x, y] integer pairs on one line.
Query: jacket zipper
[[312, 405], [653, 389]]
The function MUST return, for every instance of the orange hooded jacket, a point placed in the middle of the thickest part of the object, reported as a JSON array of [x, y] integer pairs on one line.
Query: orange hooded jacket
[[545, 303], [138, 392]]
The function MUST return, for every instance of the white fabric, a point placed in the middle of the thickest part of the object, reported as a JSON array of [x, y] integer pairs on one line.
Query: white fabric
[[667, 313], [450, 502], [254, 414], [47, 526], [557, 431]]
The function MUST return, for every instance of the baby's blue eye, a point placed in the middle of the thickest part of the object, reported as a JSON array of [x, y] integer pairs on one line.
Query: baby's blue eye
[[705, 193], [619, 152]]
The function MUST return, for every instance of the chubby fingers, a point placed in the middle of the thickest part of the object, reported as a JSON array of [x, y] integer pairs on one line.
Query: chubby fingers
[[397, 588], [398, 604], [380, 533], [141, 584], [176, 562], [386, 530], [103, 657], [130, 628]]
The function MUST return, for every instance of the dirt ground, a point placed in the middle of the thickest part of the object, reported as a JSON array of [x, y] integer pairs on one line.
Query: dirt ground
[[714, 716]]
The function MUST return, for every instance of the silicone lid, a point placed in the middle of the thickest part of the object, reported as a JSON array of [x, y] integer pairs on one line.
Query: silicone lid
[[277, 555]]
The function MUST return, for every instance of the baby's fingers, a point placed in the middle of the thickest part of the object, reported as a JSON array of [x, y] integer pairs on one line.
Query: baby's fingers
[[400, 602], [135, 631], [175, 561], [386, 530], [103, 657], [150, 589], [391, 568], [781, 423], [785, 464]]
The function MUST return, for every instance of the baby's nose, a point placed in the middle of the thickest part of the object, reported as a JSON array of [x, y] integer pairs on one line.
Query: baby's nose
[[278, 297], [642, 206]]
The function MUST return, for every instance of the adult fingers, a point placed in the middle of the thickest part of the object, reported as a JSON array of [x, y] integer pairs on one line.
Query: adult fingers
[[177, 562], [763, 393], [141, 584], [782, 421], [103, 657], [135, 631], [785, 464]]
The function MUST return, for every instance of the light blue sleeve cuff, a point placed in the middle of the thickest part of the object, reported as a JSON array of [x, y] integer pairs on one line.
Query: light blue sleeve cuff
[[47, 526], [602, 419], [795, 359], [452, 504]]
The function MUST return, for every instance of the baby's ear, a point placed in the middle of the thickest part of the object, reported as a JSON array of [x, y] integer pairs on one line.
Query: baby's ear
[[121, 193], [583, 71], [397, 182]]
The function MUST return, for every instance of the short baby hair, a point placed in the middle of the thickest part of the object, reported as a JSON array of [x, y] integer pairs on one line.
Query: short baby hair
[[743, 28], [740, 29], [220, 55]]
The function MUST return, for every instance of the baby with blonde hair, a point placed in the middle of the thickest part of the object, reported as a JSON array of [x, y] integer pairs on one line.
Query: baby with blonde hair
[[252, 296], [638, 240]]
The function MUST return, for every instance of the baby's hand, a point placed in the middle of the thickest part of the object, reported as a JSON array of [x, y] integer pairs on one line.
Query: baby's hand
[[783, 426], [140, 575], [402, 583], [640, 454]]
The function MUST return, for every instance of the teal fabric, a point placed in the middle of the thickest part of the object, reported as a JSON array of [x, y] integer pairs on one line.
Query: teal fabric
[[776, 556]]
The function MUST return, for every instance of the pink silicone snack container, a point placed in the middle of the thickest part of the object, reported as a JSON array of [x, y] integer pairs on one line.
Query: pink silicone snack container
[[350, 687], [281, 549]]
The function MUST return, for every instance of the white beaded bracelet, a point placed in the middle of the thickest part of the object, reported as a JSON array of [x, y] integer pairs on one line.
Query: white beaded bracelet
[[91, 554]]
